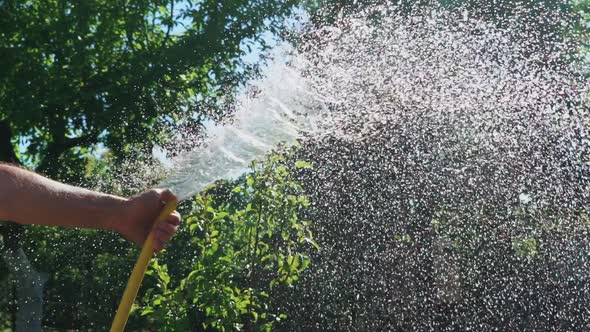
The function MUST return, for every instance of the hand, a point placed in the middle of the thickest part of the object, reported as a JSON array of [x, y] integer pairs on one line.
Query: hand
[[141, 211]]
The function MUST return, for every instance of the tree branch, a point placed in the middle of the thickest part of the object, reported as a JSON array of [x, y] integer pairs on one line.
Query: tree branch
[[91, 138], [56, 148], [170, 24], [7, 153]]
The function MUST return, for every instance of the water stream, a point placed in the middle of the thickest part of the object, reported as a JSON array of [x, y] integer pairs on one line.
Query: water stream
[[283, 108]]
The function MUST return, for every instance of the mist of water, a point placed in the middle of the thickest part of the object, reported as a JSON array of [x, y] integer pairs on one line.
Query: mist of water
[[450, 184], [278, 110], [451, 191]]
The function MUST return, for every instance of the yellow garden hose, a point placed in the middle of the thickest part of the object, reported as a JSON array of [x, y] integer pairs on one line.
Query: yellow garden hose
[[138, 271]]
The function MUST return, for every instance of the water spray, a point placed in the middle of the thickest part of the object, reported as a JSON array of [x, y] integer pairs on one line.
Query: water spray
[[284, 108]]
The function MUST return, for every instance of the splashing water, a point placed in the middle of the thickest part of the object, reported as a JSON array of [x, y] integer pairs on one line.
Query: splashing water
[[451, 192], [279, 113], [450, 185]]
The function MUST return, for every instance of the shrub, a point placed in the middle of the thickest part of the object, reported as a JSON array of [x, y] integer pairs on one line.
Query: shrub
[[247, 242]]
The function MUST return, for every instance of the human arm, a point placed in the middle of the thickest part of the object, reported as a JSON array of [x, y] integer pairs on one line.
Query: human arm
[[29, 198]]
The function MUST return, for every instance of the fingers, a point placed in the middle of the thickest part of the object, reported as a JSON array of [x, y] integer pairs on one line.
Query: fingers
[[160, 239], [174, 218], [167, 227], [165, 230], [149, 205]]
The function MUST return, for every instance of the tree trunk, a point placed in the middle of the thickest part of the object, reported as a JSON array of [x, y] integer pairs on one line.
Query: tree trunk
[[29, 283]]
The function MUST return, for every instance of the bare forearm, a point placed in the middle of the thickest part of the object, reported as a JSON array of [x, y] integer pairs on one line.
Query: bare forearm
[[29, 198]]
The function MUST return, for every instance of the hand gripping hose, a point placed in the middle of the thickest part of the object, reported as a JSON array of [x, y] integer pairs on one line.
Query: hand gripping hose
[[138, 271]]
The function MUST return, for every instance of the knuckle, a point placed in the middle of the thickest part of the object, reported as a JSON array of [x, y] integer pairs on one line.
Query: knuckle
[[153, 194], [167, 195]]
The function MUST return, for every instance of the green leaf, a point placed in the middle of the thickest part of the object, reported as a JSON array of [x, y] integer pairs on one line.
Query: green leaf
[[250, 181], [313, 243], [225, 259], [220, 215], [147, 311], [294, 263], [302, 164]]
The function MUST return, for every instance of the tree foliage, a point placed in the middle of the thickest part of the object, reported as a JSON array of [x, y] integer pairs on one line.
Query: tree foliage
[[81, 77], [76, 74]]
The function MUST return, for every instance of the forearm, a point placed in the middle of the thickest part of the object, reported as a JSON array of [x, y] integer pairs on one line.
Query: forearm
[[29, 198]]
